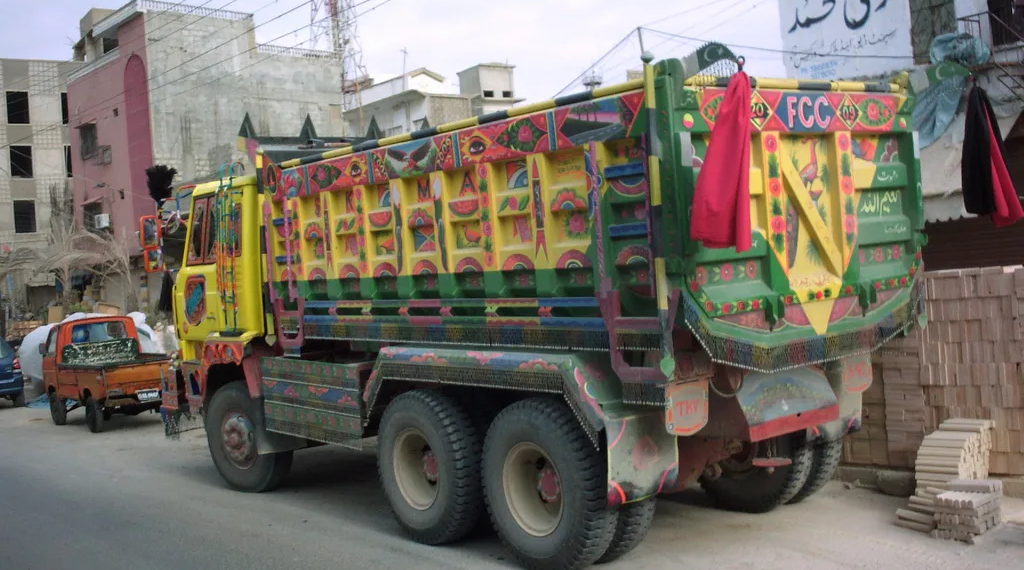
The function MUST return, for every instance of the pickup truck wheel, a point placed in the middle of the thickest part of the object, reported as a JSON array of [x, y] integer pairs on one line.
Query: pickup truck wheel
[[428, 455], [93, 415], [631, 529], [746, 488], [546, 486], [231, 422], [824, 464], [58, 409], [19, 400]]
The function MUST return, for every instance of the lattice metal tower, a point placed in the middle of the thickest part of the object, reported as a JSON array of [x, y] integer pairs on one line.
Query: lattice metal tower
[[336, 20]]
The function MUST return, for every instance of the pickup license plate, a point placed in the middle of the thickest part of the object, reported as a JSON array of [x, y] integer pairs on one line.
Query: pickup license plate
[[148, 395]]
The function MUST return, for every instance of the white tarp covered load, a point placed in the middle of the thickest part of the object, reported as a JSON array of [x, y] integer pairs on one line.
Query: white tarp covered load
[[32, 361]]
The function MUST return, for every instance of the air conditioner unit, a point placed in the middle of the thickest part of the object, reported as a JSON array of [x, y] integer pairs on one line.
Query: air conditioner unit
[[104, 156], [101, 221]]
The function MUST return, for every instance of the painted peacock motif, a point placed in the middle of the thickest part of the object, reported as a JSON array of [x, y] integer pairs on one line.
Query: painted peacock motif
[[809, 175]]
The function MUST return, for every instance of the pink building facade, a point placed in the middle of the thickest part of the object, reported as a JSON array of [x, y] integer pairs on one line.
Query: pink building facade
[[111, 137]]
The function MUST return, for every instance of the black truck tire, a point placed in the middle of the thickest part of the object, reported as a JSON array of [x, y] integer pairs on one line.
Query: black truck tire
[[824, 463], [428, 457], [58, 409], [93, 415], [231, 420], [759, 489], [19, 400], [546, 487], [631, 529]]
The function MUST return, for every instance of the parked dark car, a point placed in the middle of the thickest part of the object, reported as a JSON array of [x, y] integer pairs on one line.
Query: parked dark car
[[12, 384]]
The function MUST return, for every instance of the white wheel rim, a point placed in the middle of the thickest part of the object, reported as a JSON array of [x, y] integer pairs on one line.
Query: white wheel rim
[[533, 497], [416, 470]]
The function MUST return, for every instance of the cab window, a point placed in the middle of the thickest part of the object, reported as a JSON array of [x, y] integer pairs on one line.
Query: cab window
[[197, 241], [51, 343]]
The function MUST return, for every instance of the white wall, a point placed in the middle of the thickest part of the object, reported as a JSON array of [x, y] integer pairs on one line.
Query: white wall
[[825, 44]]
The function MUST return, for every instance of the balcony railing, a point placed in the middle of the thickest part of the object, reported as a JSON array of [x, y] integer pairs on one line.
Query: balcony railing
[[295, 52]]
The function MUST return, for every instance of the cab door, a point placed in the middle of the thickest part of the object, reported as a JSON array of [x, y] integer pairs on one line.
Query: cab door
[[50, 359], [196, 301]]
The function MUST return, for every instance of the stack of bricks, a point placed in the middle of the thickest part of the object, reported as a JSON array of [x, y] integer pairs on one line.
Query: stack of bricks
[[959, 449], [969, 509], [870, 445], [968, 363]]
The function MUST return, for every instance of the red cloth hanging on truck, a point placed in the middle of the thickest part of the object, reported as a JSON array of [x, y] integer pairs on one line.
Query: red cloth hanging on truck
[[985, 182], [721, 201]]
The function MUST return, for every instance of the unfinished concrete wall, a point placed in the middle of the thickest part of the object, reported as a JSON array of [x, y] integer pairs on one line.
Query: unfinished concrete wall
[[200, 90], [968, 362]]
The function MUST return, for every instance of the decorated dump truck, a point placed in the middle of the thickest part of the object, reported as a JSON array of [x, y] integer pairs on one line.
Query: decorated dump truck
[[512, 305]]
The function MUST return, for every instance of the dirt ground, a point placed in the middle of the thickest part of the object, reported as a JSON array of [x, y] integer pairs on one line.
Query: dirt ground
[[164, 505]]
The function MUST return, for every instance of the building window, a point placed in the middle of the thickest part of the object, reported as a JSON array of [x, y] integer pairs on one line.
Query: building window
[[488, 93], [506, 94], [89, 141], [21, 161], [24, 217], [109, 44], [67, 160], [17, 108], [89, 213], [64, 108]]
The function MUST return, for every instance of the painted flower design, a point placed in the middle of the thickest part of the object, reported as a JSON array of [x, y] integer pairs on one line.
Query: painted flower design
[[694, 286], [874, 113], [775, 187], [789, 299], [778, 225], [513, 202], [755, 304], [844, 143], [897, 252], [486, 228], [751, 270], [847, 186], [771, 144], [879, 255], [538, 364], [524, 135], [727, 272], [702, 276], [850, 225], [727, 308], [861, 255], [741, 306], [903, 280], [577, 224], [489, 259], [709, 306]]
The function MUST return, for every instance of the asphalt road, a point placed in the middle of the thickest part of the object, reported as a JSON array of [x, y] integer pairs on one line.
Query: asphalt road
[[128, 499]]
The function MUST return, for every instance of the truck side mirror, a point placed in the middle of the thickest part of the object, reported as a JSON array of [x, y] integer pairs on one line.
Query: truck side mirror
[[149, 232], [154, 260], [42, 348]]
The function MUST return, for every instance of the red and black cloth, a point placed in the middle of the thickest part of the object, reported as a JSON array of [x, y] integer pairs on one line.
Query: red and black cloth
[[721, 200], [986, 184]]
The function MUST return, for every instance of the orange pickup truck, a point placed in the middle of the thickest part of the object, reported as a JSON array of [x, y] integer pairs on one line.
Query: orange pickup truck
[[97, 363]]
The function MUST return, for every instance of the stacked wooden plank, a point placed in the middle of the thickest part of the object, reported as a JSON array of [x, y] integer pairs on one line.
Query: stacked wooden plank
[[959, 449], [969, 509]]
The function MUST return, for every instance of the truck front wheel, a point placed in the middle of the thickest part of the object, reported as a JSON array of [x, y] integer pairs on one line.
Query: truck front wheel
[[747, 488], [546, 487], [428, 454], [231, 422]]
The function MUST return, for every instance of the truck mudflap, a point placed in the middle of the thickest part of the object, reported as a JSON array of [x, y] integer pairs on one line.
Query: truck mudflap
[[642, 455], [755, 406]]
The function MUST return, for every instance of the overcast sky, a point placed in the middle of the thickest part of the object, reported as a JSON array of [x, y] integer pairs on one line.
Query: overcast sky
[[550, 42]]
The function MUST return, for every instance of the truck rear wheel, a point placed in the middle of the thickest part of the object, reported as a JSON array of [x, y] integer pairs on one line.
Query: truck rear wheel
[[58, 409], [824, 463], [428, 455], [546, 486], [94, 415], [747, 488], [631, 529], [231, 422]]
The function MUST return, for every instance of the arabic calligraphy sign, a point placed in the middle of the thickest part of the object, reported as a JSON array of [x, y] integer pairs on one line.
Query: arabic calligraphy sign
[[845, 39]]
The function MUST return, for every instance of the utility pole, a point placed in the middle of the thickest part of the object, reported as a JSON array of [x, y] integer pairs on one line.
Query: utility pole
[[339, 42], [405, 80]]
